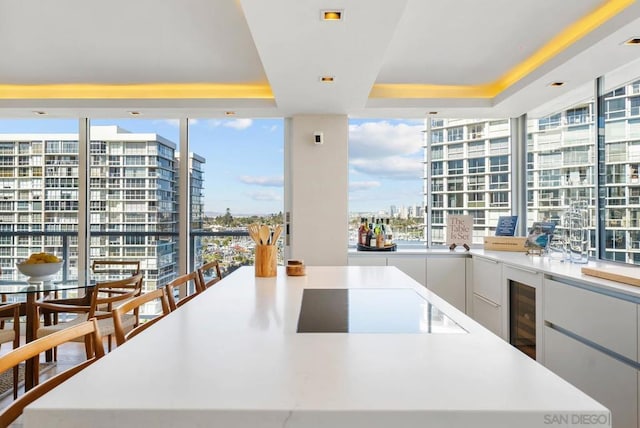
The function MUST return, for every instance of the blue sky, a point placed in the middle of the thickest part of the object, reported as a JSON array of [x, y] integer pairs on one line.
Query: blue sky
[[245, 159]]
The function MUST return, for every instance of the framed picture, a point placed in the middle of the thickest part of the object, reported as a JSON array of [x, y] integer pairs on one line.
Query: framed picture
[[540, 235], [506, 225], [459, 230]]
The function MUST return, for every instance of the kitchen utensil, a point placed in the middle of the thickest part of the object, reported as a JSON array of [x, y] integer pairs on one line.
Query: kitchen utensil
[[265, 233], [254, 232], [276, 234]]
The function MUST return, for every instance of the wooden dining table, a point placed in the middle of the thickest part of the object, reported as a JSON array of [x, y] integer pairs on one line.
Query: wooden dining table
[[27, 293]]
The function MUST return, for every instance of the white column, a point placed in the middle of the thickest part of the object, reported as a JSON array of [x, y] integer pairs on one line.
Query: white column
[[316, 189]]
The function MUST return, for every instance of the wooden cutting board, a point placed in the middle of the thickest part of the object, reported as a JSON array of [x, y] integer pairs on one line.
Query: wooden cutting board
[[626, 275]]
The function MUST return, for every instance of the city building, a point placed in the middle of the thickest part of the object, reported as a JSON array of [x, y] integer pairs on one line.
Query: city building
[[470, 163], [133, 211]]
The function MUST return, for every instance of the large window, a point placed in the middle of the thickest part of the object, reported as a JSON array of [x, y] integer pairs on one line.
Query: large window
[[386, 170], [38, 192], [466, 190], [237, 167], [133, 195], [620, 196]]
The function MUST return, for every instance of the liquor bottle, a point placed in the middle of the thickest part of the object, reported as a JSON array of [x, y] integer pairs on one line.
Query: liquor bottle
[[389, 234], [362, 231], [369, 235], [379, 235]]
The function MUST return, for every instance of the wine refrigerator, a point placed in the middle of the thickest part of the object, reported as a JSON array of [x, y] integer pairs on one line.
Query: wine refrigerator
[[522, 317]]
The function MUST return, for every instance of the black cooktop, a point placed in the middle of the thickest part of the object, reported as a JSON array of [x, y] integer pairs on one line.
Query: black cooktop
[[371, 310]]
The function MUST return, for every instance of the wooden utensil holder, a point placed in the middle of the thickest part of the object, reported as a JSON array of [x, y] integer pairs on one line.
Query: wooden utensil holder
[[266, 260]]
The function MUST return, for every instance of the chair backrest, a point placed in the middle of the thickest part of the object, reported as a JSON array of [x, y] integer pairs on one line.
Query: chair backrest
[[187, 287], [209, 274], [114, 269], [133, 304], [93, 344], [11, 312], [106, 295]]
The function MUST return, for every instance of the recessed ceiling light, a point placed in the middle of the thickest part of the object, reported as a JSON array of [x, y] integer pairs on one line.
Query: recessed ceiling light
[[331, 15], [134, 113], [556, 83], [326, 79], [40, 113], [229, 113], [633, 41]]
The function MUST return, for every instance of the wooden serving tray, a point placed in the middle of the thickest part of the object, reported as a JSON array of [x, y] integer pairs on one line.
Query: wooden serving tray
[[626, 275], [505, 243]]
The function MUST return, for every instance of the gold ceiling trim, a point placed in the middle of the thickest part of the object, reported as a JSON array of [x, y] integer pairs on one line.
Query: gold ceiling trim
[[553, 47], [137, 91]]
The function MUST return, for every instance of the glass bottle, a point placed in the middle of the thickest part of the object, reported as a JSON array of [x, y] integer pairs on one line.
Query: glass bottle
[[389, 233], [362, 231], [576, 223]]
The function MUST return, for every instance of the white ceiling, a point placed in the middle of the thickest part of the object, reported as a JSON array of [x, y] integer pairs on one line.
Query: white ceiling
[[284, 45]]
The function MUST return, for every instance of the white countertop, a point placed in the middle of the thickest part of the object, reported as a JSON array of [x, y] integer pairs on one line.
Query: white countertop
[[232, 358], [543, 264], [569, 271]]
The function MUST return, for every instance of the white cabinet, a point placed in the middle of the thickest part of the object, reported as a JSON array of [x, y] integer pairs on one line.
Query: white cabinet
[[414, 266], [487, 297], [367, 261], [605, 320], [604, 378], [447, 278]]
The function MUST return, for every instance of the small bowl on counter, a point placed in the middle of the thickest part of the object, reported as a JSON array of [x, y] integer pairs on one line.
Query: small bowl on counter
[[295, 268]]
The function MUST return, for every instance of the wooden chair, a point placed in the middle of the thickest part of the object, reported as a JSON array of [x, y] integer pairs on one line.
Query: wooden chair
[[103, 299], [108, 270], [133, 304], [206, 270], [86, 331], [11, 311], [187, 287]]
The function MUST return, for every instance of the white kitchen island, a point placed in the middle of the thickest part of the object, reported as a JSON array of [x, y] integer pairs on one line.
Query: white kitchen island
[[232, 358]]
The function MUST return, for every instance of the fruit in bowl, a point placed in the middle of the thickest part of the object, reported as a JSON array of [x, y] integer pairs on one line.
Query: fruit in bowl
[[40, 266]]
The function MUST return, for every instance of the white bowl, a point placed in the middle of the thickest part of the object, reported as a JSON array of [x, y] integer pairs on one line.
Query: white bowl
[[40, 271]]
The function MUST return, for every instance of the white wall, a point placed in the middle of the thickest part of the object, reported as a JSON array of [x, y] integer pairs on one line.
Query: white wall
[[316, 189]]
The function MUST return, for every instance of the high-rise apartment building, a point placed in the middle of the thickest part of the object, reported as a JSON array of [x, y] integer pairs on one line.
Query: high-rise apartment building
[[133, 205], [469, 166]]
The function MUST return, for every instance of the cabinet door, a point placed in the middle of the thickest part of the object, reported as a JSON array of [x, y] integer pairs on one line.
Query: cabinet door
[[446, 277], [367, 261], [607, 380], [487, 279], [415, 267], [487, 313]]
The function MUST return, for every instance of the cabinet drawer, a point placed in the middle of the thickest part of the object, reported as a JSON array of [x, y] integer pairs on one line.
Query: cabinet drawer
[[487, 279], [488, 314], [607, 380], [605, 320]]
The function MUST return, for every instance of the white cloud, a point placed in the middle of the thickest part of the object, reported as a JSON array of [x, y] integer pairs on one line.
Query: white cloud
[[380, 139], [237, 124], [263, 181], [263, 195], [363, 185], [172, 122], [392, 167]]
